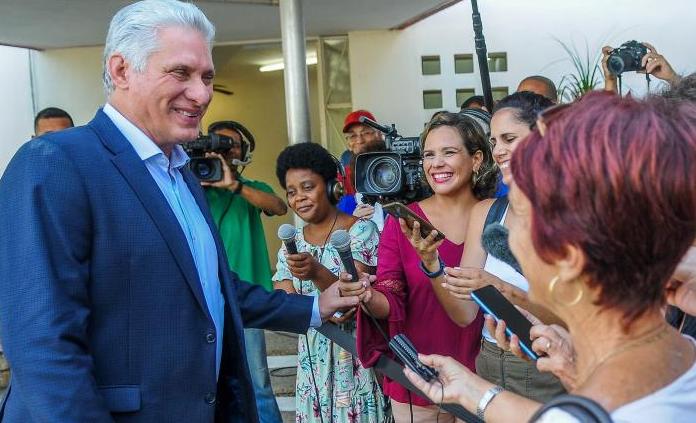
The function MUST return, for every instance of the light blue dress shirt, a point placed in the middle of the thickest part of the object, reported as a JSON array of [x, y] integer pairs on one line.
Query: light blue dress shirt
[[166, 171]]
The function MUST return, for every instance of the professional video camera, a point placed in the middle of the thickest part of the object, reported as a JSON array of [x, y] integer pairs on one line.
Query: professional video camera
[[626, 58], [392, 175], [207, 168]]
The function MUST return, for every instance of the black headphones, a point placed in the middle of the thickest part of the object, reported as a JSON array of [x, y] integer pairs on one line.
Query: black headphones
[[335, 187], [248, 142]]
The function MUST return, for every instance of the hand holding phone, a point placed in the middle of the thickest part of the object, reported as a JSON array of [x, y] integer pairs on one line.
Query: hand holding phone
[[495, 304], [398, 210]]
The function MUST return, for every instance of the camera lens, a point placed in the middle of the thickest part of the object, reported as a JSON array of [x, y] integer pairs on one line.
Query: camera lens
[[615, 64], [383, 175], [202, 169]]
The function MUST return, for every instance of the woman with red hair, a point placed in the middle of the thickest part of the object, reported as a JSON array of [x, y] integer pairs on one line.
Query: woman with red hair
[[606, 207]]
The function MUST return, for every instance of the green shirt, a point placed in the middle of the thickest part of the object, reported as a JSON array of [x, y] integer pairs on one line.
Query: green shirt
[[239, 223]]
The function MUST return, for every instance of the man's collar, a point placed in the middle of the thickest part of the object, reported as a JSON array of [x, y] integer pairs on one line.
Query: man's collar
[[143, 145]]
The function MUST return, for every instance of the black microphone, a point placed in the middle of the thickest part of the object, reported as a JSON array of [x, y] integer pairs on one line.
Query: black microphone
[[495, 242], [341, 242], [286, 233]]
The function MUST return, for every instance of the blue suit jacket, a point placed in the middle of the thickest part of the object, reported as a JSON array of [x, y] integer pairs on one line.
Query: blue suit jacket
[[102, 314]]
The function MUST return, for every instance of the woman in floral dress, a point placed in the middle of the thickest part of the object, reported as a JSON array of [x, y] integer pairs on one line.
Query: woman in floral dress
[[330, 380]]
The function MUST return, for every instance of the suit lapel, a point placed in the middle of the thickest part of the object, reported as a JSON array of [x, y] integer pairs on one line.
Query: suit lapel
[[139, 179]]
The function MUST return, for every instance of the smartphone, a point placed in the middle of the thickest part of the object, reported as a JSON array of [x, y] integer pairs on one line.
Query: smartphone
[[495, 304], [398, 210]]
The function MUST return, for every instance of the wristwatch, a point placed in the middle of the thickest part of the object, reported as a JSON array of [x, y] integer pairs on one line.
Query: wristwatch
[[486, 399], [438, 272]]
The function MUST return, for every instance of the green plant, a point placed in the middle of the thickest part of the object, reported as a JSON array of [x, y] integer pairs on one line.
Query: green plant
[[586, 76]]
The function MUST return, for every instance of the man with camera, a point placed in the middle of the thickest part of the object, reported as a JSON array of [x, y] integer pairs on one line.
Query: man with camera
[[361, 138], [236, 204], [637, 57]]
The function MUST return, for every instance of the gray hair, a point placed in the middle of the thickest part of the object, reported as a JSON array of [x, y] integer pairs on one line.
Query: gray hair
[[133, 31]]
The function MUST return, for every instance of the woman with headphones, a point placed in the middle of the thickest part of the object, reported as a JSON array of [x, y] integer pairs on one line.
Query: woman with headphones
[[332, 385]]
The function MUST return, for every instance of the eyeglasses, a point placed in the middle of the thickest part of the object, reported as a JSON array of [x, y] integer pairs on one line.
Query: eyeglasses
[[362, 134]]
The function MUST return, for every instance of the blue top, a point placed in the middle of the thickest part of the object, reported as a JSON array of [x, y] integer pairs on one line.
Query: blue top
[[167, 174]]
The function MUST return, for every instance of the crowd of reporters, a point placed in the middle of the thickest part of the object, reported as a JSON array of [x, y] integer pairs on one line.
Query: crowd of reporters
[[601, 210]]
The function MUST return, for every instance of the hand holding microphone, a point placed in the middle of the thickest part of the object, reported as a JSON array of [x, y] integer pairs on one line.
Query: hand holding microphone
[[350, 283], [302, 265]]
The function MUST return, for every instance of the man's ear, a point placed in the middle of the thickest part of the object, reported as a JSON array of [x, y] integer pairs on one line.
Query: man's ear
[[119, 70]]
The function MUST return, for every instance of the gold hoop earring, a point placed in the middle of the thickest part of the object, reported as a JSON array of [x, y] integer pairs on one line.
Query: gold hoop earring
[[552, 290], [475, 177]]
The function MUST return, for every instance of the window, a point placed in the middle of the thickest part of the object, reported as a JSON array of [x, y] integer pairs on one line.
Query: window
[[463, 94], [430, 65], [432, 99], [463, 63], [499, 92], [497, 62]]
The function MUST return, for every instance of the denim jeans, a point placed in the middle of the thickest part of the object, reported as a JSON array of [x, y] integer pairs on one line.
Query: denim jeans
[[258, 367]]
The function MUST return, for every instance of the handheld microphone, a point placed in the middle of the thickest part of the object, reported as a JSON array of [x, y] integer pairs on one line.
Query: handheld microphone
[[286, 233], [341, 242], [495, 242]]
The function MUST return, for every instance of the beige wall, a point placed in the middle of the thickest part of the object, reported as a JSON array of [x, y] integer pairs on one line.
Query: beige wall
[[259, 104]]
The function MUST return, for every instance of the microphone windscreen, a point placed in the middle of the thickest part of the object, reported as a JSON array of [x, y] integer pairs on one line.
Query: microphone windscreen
[[340, 239], [286, 232], [495, 242]]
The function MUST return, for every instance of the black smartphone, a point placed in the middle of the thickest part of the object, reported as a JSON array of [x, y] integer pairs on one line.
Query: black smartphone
[[495, 304], [398, 210]]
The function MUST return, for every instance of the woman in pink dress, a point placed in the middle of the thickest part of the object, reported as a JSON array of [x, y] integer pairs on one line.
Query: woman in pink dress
[[458, 165]]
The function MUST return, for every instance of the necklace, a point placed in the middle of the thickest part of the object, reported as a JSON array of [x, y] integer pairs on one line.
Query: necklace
[[649, 337]]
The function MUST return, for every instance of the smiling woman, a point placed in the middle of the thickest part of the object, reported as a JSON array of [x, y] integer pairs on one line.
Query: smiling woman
[[408, 296]]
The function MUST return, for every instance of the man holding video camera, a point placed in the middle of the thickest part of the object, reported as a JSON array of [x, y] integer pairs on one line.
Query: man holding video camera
[[236, 204], [361, 138]]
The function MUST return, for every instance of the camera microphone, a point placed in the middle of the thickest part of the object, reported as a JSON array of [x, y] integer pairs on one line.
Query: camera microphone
[[495, 242], [340, 239], [286, 233]]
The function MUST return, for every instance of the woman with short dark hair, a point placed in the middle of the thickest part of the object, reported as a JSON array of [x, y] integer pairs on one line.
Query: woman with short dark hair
[[332, 385]]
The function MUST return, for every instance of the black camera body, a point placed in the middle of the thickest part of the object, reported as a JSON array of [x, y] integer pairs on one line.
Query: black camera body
[[206, 168], [392, 175], [627, 58]]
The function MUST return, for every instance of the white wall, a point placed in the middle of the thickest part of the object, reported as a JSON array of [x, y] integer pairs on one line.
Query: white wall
[[385, 65], [70, 79], [16, 112]]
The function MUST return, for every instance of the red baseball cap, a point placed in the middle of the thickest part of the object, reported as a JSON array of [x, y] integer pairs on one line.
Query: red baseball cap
[[354, 117]]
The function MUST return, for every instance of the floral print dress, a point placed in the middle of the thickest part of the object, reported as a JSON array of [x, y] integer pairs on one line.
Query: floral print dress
[[346, 390]]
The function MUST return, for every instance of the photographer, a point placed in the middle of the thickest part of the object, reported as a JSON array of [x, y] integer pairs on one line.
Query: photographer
[[236, 203], [653, 63], [360, 138]]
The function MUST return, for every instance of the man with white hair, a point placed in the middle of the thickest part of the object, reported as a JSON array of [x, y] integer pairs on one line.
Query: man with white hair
[[117, 300]]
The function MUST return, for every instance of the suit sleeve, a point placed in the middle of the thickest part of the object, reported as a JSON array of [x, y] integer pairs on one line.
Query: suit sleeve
[[45, 243], [275, 310]]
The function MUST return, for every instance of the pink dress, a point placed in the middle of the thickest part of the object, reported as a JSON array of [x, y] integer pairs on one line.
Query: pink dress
[[414, 309]]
